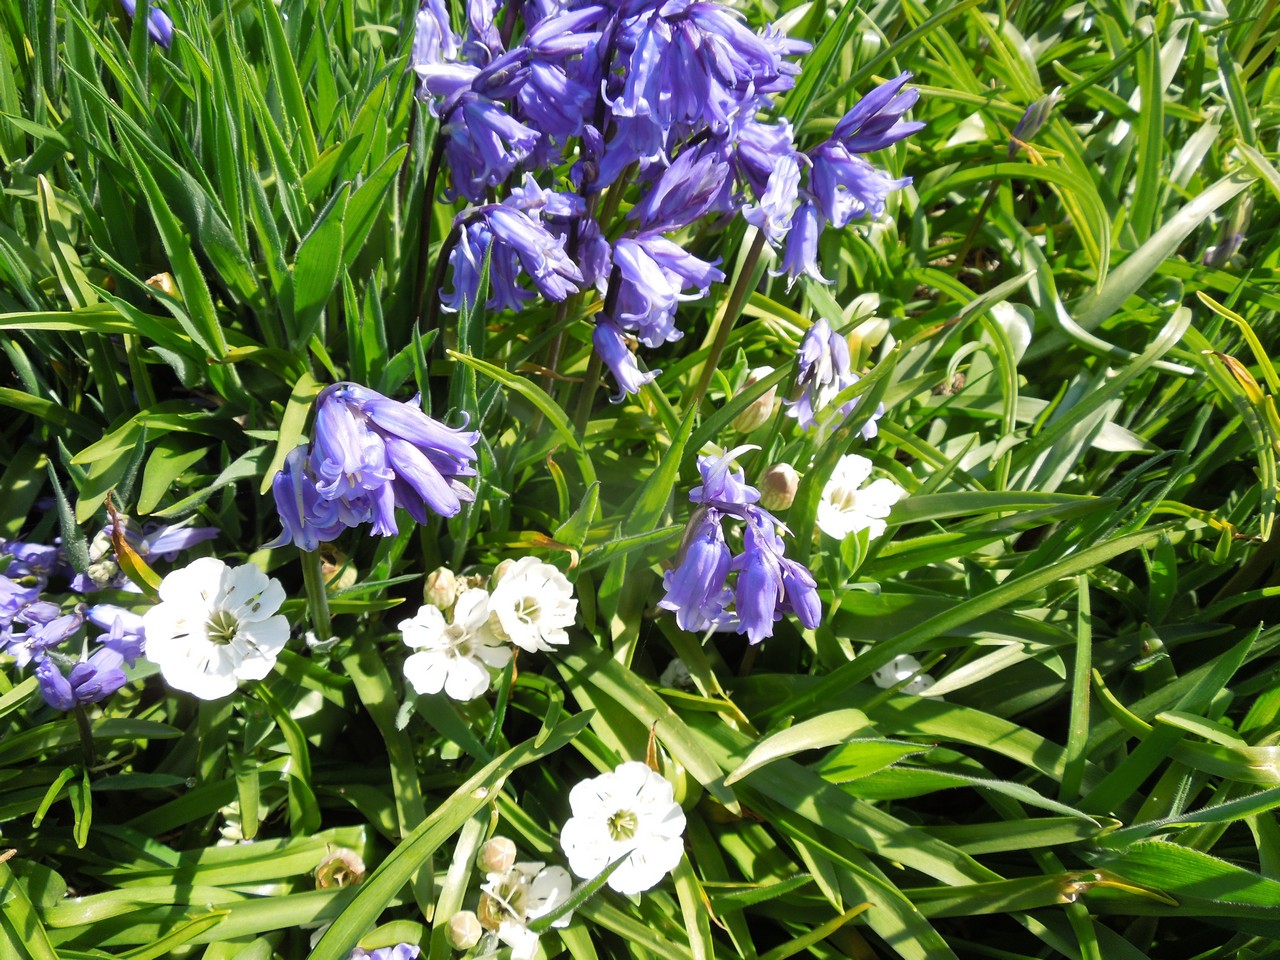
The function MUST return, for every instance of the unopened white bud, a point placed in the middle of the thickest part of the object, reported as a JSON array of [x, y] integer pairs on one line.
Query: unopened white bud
[[758, 413], [441, 588], [778, 486], [464, 930], [498, 855]]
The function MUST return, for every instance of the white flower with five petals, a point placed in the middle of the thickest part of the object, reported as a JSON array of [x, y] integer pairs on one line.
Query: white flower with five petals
[[847, 506], [531, 605], [629, 813], [453, 657], [215, 626]]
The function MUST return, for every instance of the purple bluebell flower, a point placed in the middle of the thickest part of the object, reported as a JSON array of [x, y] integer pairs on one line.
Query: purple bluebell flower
[[33, 563], [159, 23], [800, 255], [89, 681], [847, 187], [773, 215], [434, 41], [370, 455], [403, 951], [166, 541], [767, 584], [47, 628], [695, 182], [825, 372], [485, 144], [756, 149], [696, 589], [654, 272], [125, 633], [14, 598], [875, 122], [723, 487], [611, 347]]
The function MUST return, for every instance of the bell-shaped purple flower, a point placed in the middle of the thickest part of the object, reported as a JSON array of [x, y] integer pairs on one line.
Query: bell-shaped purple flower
[[696, 589], [89, 681], [611, 347], [875, 121], [159, 23], [846, 187], [723, 487], [773, 215], [800, 255], [370, 455], [683, 193], [654, 274], [47, 628], [759, 592], [825, 372]]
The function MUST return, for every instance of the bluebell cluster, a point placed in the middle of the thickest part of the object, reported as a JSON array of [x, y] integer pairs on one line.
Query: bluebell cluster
[[767, 584], [825, 371], [368, 456], [679, 92]]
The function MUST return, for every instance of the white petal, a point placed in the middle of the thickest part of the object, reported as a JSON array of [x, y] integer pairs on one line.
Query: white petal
[[852, 470], [193, 585], [248, 593], [427, 671], [426, 629], [648, 864], [467, 679]]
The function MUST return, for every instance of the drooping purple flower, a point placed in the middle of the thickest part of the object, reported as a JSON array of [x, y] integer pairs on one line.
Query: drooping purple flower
[[159, 23], [875, 121], [696, 589], [611, 346], [32, 563], [403, 951], [434, 41], [800, 255], [14, 598], [485, 144], [722, 487], [757, 148], [125, 632], [654, 272], [847, 187], [825, 372], [695, 182], [370, 455], [767, 583], [46, 628], [89, 681], [773, 215]]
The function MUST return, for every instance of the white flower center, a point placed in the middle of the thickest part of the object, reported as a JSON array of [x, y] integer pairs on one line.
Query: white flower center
[[623, 825], [528, 609], [222, 626], [845, 499]]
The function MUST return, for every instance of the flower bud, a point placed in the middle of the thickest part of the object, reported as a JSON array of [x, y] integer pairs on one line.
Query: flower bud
[[500, 571], [165, 284], [464, 930], [498, 855], [342, 868], [335, 563], [441, 588], [778, 486], [758, 413]]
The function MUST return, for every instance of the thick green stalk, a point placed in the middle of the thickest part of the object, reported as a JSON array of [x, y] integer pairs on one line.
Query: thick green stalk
[[726, 320]]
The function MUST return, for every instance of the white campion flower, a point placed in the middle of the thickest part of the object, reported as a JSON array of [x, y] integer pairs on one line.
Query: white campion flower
[[847, 506], [513, 898], [453, 657], [214, 626], [629, 813], [531, 605], [900, 668]]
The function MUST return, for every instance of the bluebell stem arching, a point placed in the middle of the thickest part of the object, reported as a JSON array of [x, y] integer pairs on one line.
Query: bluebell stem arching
[[696, 589]]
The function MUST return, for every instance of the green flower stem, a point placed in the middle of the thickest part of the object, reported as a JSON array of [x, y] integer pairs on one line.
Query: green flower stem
[[86, 737], [317, 597], [587, 394], [724, 324]]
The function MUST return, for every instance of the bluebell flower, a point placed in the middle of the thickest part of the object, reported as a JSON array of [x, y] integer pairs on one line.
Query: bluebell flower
[[89, 681], [847, 187], [875, 121], [825, 372], [773, 215], [403, 951], [125, 633], [611, 347], [32, 563], [434, 41], [800, 255], [696, 182], [723, 487], [654, 273], [756, 149], [159, 23], [369, 456], [485, 144], [47, 628], [696, 589], [767, 583]]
